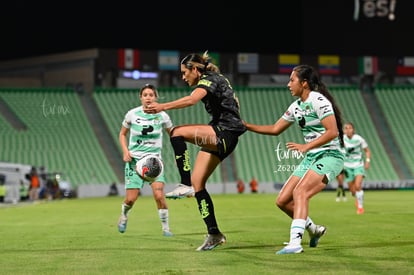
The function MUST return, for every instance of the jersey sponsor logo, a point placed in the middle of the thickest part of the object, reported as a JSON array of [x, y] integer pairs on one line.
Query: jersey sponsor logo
[[204, 82], [204, 209], [187, 166], [147, 129], [319, 166], [309, 138]]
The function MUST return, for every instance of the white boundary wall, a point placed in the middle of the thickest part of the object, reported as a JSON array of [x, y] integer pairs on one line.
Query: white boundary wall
[[101, 190]]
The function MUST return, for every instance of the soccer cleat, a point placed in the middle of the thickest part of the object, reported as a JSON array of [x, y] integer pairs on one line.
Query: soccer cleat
[[290, 250], [180, 192], [167, 233], [344, 199], [212, 240], [314, 237], [337, 199], [360, 211], [122, 223]]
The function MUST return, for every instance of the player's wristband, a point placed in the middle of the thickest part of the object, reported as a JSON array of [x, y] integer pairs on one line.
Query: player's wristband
[[367, 159]]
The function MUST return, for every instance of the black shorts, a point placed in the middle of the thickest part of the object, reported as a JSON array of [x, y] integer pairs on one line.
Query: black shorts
[[227, 142]]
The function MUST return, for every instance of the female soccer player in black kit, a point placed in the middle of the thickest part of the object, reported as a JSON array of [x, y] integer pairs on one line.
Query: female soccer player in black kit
[[217, 140]]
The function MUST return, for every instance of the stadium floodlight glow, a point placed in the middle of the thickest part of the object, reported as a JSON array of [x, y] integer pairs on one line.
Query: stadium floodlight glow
[[136, 74], [153, 75]]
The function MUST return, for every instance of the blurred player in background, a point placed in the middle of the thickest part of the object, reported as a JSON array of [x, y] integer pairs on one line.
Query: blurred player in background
[[340, 190], [354, 165]]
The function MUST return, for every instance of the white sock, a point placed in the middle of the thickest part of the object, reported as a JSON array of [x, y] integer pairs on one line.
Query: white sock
[[310, 225], [163, 214], [360, 198], [125, 209], [297, 229]]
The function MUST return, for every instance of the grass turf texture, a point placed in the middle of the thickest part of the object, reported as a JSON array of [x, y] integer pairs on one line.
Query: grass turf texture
[[80, 236]]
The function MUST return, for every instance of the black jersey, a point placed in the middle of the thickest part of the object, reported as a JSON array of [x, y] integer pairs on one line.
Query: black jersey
[[220, 102]]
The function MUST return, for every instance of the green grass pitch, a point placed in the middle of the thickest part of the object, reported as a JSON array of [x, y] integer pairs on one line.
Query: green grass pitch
[[79, 236]]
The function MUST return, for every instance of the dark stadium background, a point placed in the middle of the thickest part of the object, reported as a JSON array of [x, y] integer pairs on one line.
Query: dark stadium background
[[30, 28]]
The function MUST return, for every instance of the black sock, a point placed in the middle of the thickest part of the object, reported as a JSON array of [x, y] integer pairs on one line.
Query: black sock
[[206, 208], [182, 159], [340, 191]]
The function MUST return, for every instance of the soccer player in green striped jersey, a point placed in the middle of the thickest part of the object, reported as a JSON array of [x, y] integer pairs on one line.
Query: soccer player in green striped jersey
[[355, 166], [319, 119], [145, 138]]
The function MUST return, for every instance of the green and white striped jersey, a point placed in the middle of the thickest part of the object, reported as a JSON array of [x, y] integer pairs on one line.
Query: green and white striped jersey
[[354, 148], [308, 116], [145, 131]]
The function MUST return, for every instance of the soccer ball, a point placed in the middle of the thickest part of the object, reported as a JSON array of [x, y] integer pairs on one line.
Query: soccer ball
[[149, 167]]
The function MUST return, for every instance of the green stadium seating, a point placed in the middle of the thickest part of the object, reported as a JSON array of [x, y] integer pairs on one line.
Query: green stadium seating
[[256, 154], [114, 103], [397, 104], [58, 137], [354, 110]]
